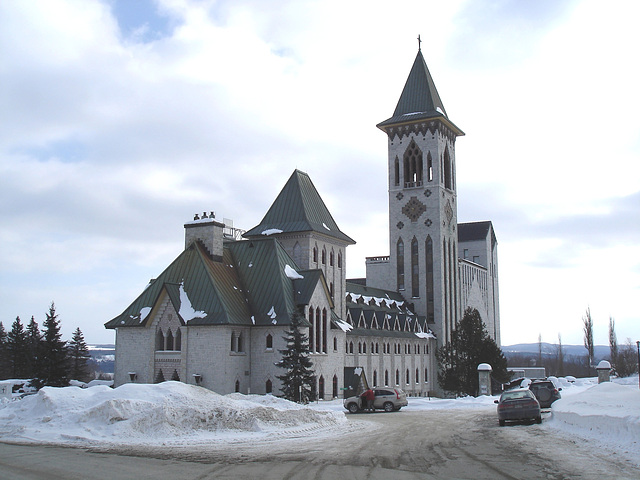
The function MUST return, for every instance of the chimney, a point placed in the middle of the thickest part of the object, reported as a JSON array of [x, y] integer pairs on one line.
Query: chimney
[[207, 230]]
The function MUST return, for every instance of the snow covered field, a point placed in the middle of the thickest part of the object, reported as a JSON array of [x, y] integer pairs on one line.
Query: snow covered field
[[173, 413]]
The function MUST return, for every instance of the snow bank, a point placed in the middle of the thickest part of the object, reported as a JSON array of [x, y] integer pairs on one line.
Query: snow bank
[[608, 412], [167, 413]]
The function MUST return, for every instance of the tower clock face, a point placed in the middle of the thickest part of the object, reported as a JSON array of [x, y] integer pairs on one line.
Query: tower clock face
[[414, 208]]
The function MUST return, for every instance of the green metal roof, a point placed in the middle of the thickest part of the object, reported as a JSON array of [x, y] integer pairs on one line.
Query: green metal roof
[[419, 99], [249, 286], [298, 208]]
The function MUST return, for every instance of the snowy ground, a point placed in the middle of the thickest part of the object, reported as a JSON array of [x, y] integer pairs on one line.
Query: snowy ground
[[173, 413]]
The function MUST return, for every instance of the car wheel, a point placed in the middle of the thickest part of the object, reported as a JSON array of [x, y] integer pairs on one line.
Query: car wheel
[[501, 422], [539, 420], [353, 408], [388, 407]]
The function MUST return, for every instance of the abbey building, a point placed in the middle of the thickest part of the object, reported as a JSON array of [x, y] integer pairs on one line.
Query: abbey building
[[217, 315]]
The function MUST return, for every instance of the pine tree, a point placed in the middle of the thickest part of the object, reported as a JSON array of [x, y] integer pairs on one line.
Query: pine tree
[[54, 364], [17, 350], [470, 346], [34, 348], [4, 367], [79, 357], [298, 382]]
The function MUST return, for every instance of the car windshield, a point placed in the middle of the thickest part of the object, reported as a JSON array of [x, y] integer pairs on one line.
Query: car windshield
[[515, 395]]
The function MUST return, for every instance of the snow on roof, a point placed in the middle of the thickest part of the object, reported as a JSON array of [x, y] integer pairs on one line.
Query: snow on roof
[[291, 273], [344, 326], [271, 231], [187, 312]]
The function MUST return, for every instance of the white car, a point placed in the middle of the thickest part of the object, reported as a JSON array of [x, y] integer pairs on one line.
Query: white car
[[386, 398]]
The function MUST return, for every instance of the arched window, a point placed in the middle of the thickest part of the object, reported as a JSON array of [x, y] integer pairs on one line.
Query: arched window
[[237, 386], [400, 262], [269, 342], [412, 166], [240, 345], [375, 378], [169, 343], [315, 254], [268, 386], [177, 344], [396, 172], [417, 376], [335, 386], [159, 340], [233, 341], [318, 331], [407, 380], [335, 344], [364, 347], [359, 347], [324, 256], [350, 347], [321, 388], [426, 376], [324, 330], [339, 260], [429, 167], [447, 170], [397, 377], [429, 279], [386, 378], [415, 271], [331, 258], [312, 327]]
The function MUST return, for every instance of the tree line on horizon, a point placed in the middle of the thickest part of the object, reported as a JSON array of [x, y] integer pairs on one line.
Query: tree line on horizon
[[41, 356], [622, 358]]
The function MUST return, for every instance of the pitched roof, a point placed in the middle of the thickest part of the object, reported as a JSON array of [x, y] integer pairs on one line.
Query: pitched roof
[[298, 208], [419, 99], [248, 287], [471, 231]]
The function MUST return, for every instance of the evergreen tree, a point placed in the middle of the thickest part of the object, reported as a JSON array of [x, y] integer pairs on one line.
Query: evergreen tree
[[34, 347], [299, 380], [54, 359], [79, 357], [470, 346], [4, 361], [17, 350]]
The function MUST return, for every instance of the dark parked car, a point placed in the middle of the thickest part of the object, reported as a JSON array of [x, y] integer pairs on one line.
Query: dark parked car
[[545, 391], [387, 399], [518, 404]]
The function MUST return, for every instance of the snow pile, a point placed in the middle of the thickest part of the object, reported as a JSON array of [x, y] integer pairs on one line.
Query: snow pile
[[167, 413], [608, 412]]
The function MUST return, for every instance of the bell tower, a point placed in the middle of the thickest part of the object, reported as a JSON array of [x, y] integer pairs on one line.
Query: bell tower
[[423, 237]]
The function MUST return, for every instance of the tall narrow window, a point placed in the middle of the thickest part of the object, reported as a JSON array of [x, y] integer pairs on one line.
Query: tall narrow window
[[324, 256], [177, 344], [386, 378], [321, 388], [324, 330], [318, 331], [335, 386], [315, 254], [331, 258], [169, 340], [429, 167], [237, 386], [240, 346], [415, 270], [375, 378], [447, 170], [396, 172], [269, 342], [268, 387], [339, 260], [429, 280], [400, 261], [311, 330], [159, 340]]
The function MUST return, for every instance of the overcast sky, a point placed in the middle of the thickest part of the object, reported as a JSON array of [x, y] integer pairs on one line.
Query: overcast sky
[[121, 119]]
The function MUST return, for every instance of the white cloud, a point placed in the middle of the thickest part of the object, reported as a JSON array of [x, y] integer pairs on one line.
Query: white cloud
[[112, 139]]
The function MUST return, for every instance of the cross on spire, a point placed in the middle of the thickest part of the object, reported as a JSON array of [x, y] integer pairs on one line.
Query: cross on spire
[[419, 42]]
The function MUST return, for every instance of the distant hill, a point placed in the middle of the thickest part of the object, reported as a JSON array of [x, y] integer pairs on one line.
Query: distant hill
[[104, 356], [550, 350]]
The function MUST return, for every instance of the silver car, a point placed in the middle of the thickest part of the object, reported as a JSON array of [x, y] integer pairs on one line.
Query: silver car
[[387, 399]]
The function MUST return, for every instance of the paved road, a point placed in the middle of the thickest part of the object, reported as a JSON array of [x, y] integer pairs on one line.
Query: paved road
[[403, 445]]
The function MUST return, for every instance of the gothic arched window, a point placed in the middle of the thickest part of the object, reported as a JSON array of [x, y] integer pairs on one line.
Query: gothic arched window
[[400, 262]]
